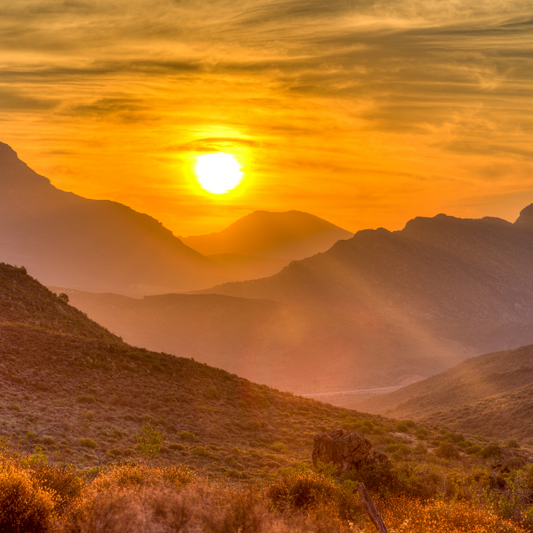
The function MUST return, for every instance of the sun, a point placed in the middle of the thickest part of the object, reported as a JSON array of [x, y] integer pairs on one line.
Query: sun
[[218, 173]]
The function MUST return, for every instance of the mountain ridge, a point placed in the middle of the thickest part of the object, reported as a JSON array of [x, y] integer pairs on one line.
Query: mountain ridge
[[69, 240]]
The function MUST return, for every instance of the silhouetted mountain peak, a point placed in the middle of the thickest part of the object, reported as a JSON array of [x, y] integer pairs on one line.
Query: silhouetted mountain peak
[[6, 151], [525, 220], [284, 235], [13, 171]]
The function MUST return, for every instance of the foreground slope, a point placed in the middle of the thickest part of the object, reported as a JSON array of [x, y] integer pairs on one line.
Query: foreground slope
[[71, 241]]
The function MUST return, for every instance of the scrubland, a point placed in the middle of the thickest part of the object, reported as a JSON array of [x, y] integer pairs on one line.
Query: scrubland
[[36, 496], [97, 435]]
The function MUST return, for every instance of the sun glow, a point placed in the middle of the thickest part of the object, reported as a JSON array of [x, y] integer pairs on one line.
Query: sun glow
[[218, 173]]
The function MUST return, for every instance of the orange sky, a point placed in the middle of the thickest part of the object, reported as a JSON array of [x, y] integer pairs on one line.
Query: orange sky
[[366, 113]]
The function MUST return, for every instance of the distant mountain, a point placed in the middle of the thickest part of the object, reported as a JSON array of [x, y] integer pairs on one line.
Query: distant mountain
[[491, 395], [467, 281], [287, 236], [98, 245], [262, 243], [295, 348], [378, 310]]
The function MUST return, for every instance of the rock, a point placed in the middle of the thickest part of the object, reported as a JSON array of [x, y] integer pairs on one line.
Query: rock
[[344, 450]]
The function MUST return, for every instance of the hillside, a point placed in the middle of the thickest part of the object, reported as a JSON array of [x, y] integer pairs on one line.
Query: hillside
[[92, 393], [491, 394], [495, 417], [295, 348], [64, 239], [73, 392]]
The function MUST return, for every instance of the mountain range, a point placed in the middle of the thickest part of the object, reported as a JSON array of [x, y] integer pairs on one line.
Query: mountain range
[[380, 309], [375, 310], [98, 245]]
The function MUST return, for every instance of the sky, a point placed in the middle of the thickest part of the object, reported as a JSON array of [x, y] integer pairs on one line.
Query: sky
[[364, 112]]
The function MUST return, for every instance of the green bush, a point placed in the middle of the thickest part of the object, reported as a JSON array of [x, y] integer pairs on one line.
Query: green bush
[[149, 441], [491, 451], [85, 398], [87, 443], [299, 488], [188, 436], [447, 450]]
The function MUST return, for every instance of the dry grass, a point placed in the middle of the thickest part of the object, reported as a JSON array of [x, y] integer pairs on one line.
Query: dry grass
[[36, 497]]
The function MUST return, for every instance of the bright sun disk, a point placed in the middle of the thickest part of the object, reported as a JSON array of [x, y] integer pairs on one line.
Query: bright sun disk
[[218, 173]]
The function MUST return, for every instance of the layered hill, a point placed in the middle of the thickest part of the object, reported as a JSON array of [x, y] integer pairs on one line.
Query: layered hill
[[468, 281], [381, 309], [263, 242], [97, 245], [491, 394], [296, 348]]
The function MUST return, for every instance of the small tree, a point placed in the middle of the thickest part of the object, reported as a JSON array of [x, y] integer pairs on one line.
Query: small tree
[[63, 297], [149, 441]]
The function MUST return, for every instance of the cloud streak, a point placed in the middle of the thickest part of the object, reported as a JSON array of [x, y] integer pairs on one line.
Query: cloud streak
[[355, 91]]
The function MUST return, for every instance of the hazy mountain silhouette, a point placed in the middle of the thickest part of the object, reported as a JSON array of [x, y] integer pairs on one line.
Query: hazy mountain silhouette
[[67, 240], [262, 243], [377, 310], [468, 281], [99, 245], [490, 395], [301, 349]]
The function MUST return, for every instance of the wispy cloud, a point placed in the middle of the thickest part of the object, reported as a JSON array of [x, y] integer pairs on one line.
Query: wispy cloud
[[355, 90]]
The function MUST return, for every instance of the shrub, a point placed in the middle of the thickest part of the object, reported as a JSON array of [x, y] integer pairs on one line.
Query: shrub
[[115, 511], [447, 450], [85, 398], [149, 441], [24, 507], [87, 443], [188, 436], [200, 451], [279, 447], [512, 443], [301, 489], [491, 451], [242, 512]]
